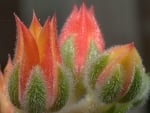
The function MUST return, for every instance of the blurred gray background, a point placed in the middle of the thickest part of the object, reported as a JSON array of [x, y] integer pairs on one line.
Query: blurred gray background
[[121, 21]]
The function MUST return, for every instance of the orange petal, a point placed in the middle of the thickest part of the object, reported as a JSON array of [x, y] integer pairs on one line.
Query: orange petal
[[47, 41], [97, 35], [45, 58], [82, 39], [67, 28], [43, 40], [35, 27], [49, 56], [128, 65], [53, 41], [30, 58], [55, 55], [19, 45]]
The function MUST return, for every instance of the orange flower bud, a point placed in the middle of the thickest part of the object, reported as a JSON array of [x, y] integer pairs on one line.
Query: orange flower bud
[[37, 59], [121, 78], [82, 29]]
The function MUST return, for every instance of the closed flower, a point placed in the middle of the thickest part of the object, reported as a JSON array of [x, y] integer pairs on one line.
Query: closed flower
[[37, 83]]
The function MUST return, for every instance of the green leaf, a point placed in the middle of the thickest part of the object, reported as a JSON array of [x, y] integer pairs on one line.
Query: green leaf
[[67, 52], [96, 69], [93, 52], [135, 87], [63, 91], [144, 90], [111, 86], [96, 63], [35, 97], [13, 85]]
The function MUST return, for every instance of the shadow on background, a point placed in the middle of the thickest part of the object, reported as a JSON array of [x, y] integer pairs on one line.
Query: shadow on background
[[121, 21]]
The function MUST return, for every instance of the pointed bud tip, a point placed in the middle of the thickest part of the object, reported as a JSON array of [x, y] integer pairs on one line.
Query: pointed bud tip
[[34, 14], [9, 61], [47, 20], [91, 10], [8, 67], [131, 45], [19, 23], [34, 18], [83, 7], [47, 23], [9, 58], [17, 18], [75, 8], [53, 19]]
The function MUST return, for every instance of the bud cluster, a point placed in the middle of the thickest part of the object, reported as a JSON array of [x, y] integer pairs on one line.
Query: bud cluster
[[72, 73]]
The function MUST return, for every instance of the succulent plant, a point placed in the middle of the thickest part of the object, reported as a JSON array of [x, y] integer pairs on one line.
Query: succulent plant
[[73, 73]]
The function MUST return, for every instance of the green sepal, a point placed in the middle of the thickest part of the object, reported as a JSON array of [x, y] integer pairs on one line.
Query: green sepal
[[67, 52], [63, 91], [93, 52], [35, 96], [95, 63], [13, 86], [111, 87], [144, 91], [96, 69], [135, 86]]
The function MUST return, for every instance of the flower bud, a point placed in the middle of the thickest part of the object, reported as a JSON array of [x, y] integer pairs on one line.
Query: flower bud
[[35, 85], [121, 78], [79, 33], [44, 78]]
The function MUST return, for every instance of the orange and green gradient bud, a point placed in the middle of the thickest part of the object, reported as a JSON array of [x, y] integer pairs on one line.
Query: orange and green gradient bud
[[37, 59], [78, 34], [121, 79]]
